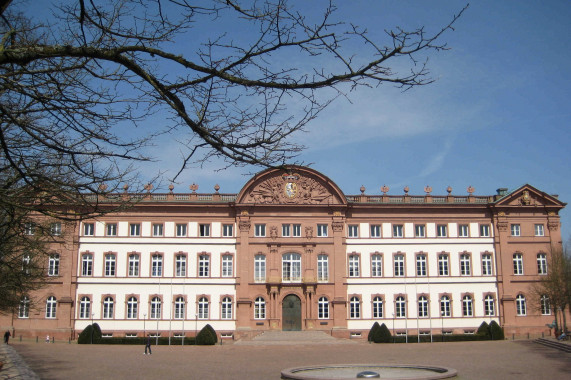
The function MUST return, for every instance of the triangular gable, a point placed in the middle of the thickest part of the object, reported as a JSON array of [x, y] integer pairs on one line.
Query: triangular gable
[[528, 195]]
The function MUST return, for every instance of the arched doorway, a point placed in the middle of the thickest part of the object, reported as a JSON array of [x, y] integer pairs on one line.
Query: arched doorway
[[291, 313]]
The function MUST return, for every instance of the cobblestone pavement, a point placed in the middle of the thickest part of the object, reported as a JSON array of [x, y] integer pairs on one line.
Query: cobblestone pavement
[[521, 360], [15, 368]]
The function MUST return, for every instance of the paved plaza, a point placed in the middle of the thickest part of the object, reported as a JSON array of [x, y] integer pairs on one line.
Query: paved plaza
[[474, 360]]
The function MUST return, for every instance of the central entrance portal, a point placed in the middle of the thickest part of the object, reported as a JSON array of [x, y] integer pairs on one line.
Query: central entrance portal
[[291, 313]]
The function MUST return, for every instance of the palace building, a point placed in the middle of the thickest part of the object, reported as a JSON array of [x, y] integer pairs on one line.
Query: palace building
[[291, 251]]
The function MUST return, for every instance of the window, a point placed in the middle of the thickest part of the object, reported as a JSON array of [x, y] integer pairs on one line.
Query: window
[[286, 230], [29, 229], [465, 269], [204, 230], [227, 265], [518, 263], [179, 308], [353, 231], [463, 230], [134, 229], [260, 268], [53, 265], [291, 267], [203, 266], [484, 230], [155, 308], [539, 231], [132, 308], [421, 265], [541, 263], [353, 266], [259, 230], [226, 308], [467, 306], [157, 229], [515, 230], [377, 307], [400, 307], [323, 308], [521, 306], [376, 231], [51, 307], [443, 265], [445, 306], [88, 229], [486, 264], [376, 265], [399, 265], [420, 230], [259, 308], [489, 307], [442, 230], [87, 264], [203, 308], [156, 265], [180, 230], [422, 307], [545, 305], [322, 268], [111, 229], [397, 230], [180, 265], [108, 307], [55, 228], [297, 230], [354, 308], [133, 265], [227, 230], [109, 265], [24, 309], [26, 259], [322, 230]]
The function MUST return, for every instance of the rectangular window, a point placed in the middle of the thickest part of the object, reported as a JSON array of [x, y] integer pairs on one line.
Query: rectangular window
[[55, 228], [322, 268], [353, 230], [157, 229], [322, 230], [443, 265], [157, 266], [87, 264], [111, 229], [88, 229], [29, 229], [484, 230], [541, 263], [53, 265], [260, 268], [180, 230], [260, 230], [515, 230], [109, 265], [463, 230], [376, 266], [180, 266], [420, 230], [399, 265], [397, 230], [518, 264], [486, 264], [442, 230], [421, 265], [204, 266], [286, 230], [376, 231], [465, 269], [227, 265], [296, 230], [133, 265], [353, 266], [204, 230], [227, 230], [539, 231], [135, 229]]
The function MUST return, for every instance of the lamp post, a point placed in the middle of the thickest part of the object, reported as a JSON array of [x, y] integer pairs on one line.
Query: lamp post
[[394, 337], [442, 320], [195, 327], [144, 324], [92, 328]]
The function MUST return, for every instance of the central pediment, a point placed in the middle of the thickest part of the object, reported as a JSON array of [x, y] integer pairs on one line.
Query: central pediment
[[295, 185]]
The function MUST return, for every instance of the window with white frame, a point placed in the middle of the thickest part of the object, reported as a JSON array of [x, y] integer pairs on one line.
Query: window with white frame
[[376, 265], [445, 306], [515, 230], [53, 264], [420, 230], [29, 229], [538, 229], [51, 307], [375, 231], [291, 267], [88, 229], [259, 308], [421, 265], [87, 264], [286, 230], [157, 229], [227, 265], [108, 306], [377, 307], [155, 308], [260, 268], [133, 265], [55, 228], [541, 263], [322, 267], [422, 307], [353, 265], [180, 265], [354, 308], [156, 265], [489, 306], [545, 305], [181, 230], [203, 266], [397, 230], [465, 267], [443, 265], [203, 308], [442, 230], [134, 229], [352, 230], [322, 230], [484, 230], [179, 306], [204, 230], [227, 230], [226, 308], [132, 308], [26, 260], [521, 305], [323, 308], [518, 264], [296, 230], [260, 230], [111, 229], [467, 306], [486, 264], [399, 265], [463, 230], [24, 309], [400, 307], [109, 265]]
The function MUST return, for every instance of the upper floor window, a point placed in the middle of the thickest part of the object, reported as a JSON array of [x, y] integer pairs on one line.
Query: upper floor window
[[515, 230], [354, 308], [29, 229], [180, 265], [322, 230], [203, 308], [463, 230], [376, 265], [354, 266], [134, 229], [180, 229], [399, 265], [51, 307], [486, 264], [26, 260], [84, 308], [259, 230], [108, 306], [296, 229], [442, 230], [521, 305], [286, 230], [155, 308], [322, 268], [260, 308], [400, 307], [420, 230], [375, 231], [377, 307], [227, 230], [260, 268], [484, 230], [156, 265], [203, 266], [111, 229], [443, 265], [132, 308], [109, 265], [467, 306], [445, 306], [539, 231], [133, 265], [53, 265], [226, 308], [421, 265], [291, 267], [397, 230], [545, 305], [24, 310], [541, 263], [323, 308], [422, 307], [465, 268], [87, 264], [88, 229], [179, 306], [353, 231], [518, 263], [55, 228], [157, 229], [489, 306], [204, 230], [227, 265]]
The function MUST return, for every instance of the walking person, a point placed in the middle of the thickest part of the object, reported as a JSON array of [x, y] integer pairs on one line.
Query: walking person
[[148, 344], [6, 336]]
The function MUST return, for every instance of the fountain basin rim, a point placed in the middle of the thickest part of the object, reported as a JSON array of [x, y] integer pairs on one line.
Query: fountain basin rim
[[440, 372]]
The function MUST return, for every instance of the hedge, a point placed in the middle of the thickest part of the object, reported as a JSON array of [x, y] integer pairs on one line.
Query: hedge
[[163, 341]]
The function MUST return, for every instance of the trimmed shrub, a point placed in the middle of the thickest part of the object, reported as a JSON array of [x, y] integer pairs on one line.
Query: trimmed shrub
[[206, 336], [373, 332], [384, 335], [90, 334], [212, 332], [484, 330], [496, 332]]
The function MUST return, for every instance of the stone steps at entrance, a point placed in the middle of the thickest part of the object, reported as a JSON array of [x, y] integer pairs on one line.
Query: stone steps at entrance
[[293, 338]]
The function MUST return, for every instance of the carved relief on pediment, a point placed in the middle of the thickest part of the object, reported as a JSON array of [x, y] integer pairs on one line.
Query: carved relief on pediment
[[290, 188]]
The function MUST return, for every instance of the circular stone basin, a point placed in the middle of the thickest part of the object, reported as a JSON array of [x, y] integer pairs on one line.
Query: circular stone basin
[[357, 371]]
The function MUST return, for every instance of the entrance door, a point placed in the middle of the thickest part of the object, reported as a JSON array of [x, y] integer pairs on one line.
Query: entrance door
[[291, 313]]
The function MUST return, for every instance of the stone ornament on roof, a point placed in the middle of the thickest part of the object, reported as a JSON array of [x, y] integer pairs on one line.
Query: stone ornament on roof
[[289, 188]]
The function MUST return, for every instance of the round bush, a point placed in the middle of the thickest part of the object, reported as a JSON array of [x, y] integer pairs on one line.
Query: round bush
[[484, 330], [497, 333], [206, 336]]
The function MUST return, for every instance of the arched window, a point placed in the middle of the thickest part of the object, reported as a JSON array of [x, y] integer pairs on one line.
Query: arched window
[[541, 263], [87, 264], [521, 306], [179, 308], [108, 306], [545, 305], [132, 308], [291, 267], [354, 308], [226, 308], [259, 308], [400, 305], [518, 263], [155, 308], [422, 307], [84, 308], [489, 306], [203, 308], [24, 310], [377, 307], [467, 306], [323, 308], [445, 306], [51, 307], [53, 265], [260, 268]]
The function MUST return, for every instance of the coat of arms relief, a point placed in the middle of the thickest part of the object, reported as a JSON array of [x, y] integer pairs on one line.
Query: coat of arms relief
[[289, 189]]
